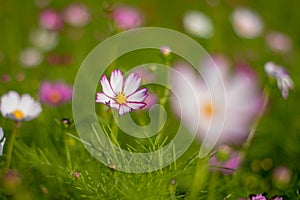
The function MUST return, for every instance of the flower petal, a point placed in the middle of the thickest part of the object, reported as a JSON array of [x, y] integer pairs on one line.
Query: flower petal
[[116, 81], [9, 102], [124, 109], [106, 87], [102, 98], [131, 84], [138, 96], [30, 107], [136, 105], [1, 133]]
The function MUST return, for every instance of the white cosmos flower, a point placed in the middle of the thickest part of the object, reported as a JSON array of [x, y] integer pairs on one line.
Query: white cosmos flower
[[226, 104], [198, 24], [19, 108], [2, 141], [122, 94], [31, 57], [43, 39], [246, 23]]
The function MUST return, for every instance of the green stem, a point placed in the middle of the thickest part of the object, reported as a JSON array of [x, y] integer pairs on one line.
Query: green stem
[[200, 176], [266, 95], [67, 149], [11, 145]]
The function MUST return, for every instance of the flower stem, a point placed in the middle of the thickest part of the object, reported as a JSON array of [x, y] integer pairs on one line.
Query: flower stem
[[200, 176], [266, 95], [67, 149], [10, 145]]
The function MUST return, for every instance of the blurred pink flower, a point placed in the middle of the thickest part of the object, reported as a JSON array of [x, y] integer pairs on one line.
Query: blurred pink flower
[[59, 59], [50, 19], [145, 74], [225, 160], [55, 93], [150, 101], [221, 118], [279, 42], [76, 15], [282, 175], [126, 17], [246, 23]]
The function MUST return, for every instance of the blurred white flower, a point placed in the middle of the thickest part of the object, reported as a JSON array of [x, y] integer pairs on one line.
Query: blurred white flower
[[43, 39], [2, 141], [246, 23], [76, 15], [284, 81], [226, 104], [19, 108], [31, 57], [198, 24], [279, 42]]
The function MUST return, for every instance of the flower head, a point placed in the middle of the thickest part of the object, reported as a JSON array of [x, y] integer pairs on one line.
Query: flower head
[[31, 57], [50, 19], [122, 94], [19, 108], [198, 24], [279, 42], [76, 15], [284, 81], [2, 141], [55, 94], [221, 118], [246, 23], [126, 17], [43, 39]]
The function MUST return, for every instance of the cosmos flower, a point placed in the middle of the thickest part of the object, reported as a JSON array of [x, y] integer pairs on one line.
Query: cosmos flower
[[31, 57], [55, 94], [198, 24], [284, 81], [225, 160], [224, 119], [50, 19], [282, 175], [43, 39], [165, 50], [76, 15], [246, 23], [126, 17], [2, 141], [279, 42], [19, 108], [122, 94]]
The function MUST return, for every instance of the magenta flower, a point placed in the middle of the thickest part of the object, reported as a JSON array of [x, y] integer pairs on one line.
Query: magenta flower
[[76, 15], [126, 17], [55, 94], [50, 19], [122, 94]]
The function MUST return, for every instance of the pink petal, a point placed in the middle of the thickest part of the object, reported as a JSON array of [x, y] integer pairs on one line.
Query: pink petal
[[124, 109], [116, 81], [138, 96], [107, 87], [131, 84], [135, 105]]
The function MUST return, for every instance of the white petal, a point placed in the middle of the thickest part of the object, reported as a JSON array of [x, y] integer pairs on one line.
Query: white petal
[[116, 81], [1, 146], [114, 104], [1, 133], [135, 105], [29, 107], [106, 87], [9, 102], [102, 98], [138, 96], [131, 84], [124, 109]]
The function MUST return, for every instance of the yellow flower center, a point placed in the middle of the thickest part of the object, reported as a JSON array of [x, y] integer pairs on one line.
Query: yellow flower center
[[207, 109], [121, 98], [55, 97], [18, 114]]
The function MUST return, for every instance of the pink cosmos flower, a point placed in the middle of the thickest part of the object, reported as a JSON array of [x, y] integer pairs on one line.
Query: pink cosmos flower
[[221, 119], [55, 94], [279, 42], [50, 19], [76, 15], [122, 94], [126, 17]]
